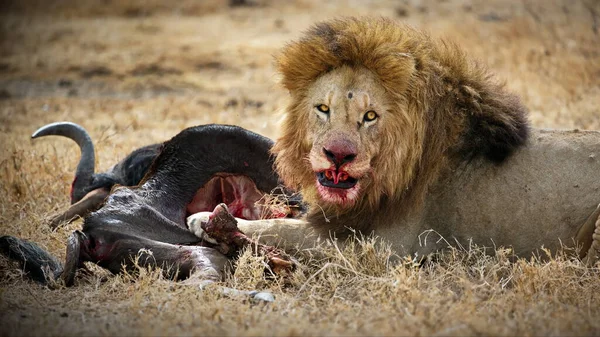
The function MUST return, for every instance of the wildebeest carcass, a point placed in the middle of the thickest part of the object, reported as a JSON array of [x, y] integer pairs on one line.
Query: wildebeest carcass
[[198, 170], [89, 189]]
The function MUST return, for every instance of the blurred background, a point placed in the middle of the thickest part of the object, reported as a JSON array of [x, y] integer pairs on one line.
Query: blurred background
[[164, 65]]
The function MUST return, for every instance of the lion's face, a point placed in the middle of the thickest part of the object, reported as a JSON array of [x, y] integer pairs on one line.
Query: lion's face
[[349, 133], [345, 110]]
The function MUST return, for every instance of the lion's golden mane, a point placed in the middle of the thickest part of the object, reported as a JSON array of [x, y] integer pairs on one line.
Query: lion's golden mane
[[447, 109]]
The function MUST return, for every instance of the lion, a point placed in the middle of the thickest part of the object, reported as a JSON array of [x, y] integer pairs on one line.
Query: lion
[[392, 132]]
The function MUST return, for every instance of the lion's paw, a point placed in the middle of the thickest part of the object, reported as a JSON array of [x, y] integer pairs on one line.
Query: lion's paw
[[194, 223]]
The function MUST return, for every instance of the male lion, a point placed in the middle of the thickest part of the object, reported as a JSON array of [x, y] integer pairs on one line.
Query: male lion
[[392, 132]]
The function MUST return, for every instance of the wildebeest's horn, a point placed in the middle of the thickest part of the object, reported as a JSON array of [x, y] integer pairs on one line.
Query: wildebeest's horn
[[86, 166]]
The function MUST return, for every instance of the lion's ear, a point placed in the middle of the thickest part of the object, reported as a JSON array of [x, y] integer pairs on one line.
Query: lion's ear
[[495, 122]]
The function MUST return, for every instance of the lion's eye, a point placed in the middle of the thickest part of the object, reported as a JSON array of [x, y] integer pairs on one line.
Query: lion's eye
[[370, 116], [323, 108]]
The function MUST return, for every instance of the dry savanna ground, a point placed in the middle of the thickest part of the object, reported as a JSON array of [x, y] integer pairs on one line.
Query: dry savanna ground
[[134, 72]]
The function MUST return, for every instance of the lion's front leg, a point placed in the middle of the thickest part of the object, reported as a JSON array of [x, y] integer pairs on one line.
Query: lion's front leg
[[264, 237], [284, 233], [593, 253], [589, 236]]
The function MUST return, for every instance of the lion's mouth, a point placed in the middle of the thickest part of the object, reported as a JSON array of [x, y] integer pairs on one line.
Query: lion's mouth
[[336, 179]]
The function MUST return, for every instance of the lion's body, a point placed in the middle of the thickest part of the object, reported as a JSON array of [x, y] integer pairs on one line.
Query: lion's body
[[539, 196], [392, 132]]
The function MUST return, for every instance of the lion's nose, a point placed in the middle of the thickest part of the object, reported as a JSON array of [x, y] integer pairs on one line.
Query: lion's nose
[[340, 153]]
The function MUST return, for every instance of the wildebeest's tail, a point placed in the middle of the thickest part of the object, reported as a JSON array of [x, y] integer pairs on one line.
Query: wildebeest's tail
[[38, 264]]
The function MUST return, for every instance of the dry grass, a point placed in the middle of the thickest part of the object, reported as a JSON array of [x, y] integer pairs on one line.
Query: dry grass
[[136, 72]]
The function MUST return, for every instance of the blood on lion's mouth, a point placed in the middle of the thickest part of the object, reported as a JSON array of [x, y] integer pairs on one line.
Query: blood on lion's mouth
[[337, 187], [336, 179]]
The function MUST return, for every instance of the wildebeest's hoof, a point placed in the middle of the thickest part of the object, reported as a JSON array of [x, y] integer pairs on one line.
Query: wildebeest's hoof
[[73, 261]]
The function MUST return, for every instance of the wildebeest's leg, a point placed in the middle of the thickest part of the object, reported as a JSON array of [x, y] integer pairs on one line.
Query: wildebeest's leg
[[178, 261], [589, 236], [35, 261], [115, 251], [89, 203]]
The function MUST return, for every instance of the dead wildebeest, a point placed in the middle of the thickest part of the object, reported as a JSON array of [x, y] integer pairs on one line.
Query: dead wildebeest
[[197, 170], [89, 189]]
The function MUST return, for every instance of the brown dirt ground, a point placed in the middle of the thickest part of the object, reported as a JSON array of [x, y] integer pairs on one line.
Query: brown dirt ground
[[135, 72]]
